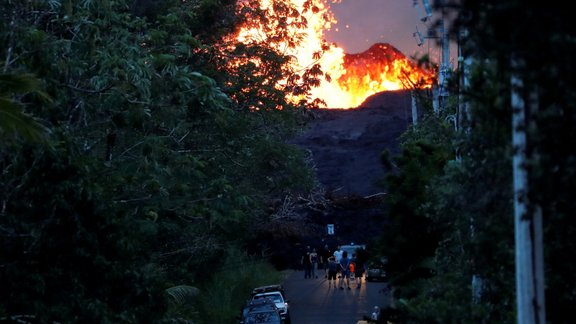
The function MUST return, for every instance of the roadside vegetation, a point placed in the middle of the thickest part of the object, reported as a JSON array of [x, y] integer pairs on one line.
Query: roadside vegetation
[[136, 162], [451, 237]]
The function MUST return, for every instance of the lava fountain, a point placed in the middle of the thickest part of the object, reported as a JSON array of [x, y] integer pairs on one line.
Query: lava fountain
[[350, 78]]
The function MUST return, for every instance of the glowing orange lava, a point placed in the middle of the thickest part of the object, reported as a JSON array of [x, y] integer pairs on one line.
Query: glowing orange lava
[[380, 68], [352, 77]]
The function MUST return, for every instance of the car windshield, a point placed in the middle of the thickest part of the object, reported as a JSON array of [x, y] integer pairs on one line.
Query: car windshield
[[351, 249], [277, 298]]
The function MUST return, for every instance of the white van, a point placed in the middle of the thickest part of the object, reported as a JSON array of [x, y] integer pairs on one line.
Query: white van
[[352, 248]]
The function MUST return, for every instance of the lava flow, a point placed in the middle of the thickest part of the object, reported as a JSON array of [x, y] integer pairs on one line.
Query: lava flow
[[352, 77], [381, 68]]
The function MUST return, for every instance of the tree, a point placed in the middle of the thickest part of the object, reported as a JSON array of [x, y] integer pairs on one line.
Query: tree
[[547, 84], [410, 239], [155, 168], [476, 197]]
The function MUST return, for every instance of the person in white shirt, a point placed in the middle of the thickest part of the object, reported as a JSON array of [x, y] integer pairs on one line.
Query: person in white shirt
[[314, 259], [338, 254], [376, 313]]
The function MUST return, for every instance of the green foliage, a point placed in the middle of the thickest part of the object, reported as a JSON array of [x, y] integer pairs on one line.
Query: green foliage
[[181, 298], [155, 167], [228, 289], [14, 121], [451, 215], [268, 81], [468, 200], [410, 236], [72, 252]]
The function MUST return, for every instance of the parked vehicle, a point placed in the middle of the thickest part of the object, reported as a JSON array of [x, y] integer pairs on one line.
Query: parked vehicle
[[376, 270], [261, 311], [277, 294], [352, 248]]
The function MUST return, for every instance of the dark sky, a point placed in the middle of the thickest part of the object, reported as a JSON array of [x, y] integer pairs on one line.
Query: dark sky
[[362, 23]]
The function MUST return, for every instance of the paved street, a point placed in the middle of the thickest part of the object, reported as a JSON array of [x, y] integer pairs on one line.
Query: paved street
[[313, 302]]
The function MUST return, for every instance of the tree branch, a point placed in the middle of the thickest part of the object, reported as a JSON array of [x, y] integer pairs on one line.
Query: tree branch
[[88, 90]]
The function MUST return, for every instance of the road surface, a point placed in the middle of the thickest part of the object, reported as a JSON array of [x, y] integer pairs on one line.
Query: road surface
[[312, 301]]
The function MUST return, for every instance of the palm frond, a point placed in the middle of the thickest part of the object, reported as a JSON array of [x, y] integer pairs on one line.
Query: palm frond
[[13, 119], [182, 294], [11, 84]]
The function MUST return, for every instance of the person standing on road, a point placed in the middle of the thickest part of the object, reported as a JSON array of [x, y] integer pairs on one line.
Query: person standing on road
[[306, 264], [359, 269], [325, 254], [344, 270], [314, 261], [338, 254], [375, 314], [332, 267]]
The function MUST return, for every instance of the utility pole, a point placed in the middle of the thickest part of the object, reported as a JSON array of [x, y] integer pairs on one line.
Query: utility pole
[[527, 216], [465, 64], [414, 107], [440, 90], [424, 17], [444, 69]]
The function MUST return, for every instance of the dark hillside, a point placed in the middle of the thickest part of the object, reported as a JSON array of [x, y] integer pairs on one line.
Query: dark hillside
[[346, 146]]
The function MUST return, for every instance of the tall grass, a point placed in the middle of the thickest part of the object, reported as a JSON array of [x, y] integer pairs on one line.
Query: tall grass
[[222, 298]]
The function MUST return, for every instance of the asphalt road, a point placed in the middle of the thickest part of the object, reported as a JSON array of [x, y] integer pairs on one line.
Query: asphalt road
[[312, 301]]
